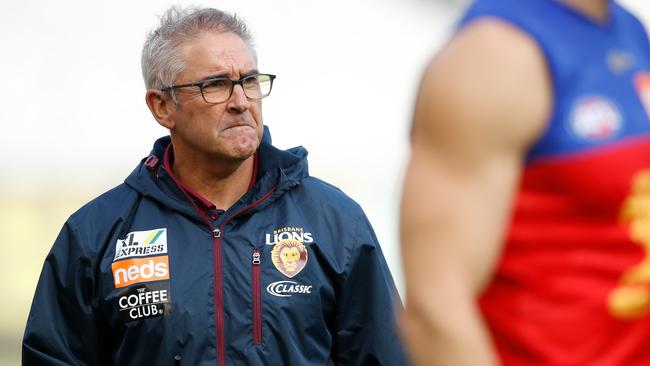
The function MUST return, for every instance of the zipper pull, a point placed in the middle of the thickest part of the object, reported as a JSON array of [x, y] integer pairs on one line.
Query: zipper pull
[[216, 232], [256, 256]]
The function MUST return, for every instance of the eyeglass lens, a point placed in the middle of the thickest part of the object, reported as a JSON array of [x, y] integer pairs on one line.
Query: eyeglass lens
[[219, 90]]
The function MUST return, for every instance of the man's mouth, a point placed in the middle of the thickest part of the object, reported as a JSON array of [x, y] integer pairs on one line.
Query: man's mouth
[[240, 126]]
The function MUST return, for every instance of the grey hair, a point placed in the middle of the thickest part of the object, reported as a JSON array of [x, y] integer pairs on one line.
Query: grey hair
[[161, 57]]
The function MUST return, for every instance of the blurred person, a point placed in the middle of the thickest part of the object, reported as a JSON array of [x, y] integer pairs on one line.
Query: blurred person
[[219, 248], [526, 207]]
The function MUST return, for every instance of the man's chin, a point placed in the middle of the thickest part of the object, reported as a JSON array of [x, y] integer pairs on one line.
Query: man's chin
[[242, 152]]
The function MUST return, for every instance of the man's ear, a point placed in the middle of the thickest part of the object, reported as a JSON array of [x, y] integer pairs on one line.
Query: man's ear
[[162, 107]]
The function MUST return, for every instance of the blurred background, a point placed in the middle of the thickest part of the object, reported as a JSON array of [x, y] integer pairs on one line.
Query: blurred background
[[74, 123]]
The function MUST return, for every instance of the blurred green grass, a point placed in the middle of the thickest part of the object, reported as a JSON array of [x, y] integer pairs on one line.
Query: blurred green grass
[[10, 354], [30, 220]]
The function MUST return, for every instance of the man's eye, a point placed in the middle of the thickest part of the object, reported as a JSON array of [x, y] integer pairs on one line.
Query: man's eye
[[251, 81], [215, 84]]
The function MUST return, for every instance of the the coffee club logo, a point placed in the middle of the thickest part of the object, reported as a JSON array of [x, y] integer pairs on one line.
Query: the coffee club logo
[[295, 233], [144, 301]]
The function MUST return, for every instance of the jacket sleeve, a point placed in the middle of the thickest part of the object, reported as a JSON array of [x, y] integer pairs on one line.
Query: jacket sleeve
[[366, 331], [62, 327]]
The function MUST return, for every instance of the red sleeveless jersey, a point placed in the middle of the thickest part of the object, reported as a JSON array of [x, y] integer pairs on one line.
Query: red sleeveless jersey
[[572, 286]]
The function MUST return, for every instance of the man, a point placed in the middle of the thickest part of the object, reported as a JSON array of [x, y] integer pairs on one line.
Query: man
[[525, 206], [218, 248]]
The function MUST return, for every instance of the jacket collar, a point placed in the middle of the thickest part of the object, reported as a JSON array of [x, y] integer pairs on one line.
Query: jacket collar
[[278, 172]]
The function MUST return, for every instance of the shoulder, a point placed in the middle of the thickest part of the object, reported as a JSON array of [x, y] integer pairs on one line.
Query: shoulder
[[111, 202], [343, 226], [99, 216], [626, 14], [489, 83], [336, 208], [327, 195], [629, 20]]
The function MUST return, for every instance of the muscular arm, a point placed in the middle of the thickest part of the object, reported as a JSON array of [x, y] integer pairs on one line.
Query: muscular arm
[[482, 102]]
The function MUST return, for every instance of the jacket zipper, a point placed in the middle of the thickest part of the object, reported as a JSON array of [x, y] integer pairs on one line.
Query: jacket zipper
[[217, 234], [257, 297], [218, 295]]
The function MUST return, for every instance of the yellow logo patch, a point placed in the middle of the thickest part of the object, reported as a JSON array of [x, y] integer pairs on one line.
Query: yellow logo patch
[[631, 297]]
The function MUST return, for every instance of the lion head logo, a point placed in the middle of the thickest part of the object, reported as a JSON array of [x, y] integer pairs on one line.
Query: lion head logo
[[289, 256]]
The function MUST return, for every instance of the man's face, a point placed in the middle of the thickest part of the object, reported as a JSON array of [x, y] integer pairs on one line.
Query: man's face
[[231, 130]]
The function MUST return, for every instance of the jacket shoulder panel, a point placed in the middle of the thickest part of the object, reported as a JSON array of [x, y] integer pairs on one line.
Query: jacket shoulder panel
[[97, 219], [329, 195]]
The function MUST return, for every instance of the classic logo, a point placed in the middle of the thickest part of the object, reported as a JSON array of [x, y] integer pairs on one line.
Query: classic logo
[[287, 288], [143, 302], [595, 118], [289, 256], [130, 271], [296, 233], [141, 243]]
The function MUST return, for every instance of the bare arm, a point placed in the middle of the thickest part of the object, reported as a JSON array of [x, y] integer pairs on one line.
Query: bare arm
[[483, 101]]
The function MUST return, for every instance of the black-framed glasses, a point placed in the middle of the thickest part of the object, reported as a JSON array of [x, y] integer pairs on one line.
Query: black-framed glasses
[[219, 90]]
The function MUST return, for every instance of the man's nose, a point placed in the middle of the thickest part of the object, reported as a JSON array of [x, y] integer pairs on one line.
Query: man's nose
[[238, 101]]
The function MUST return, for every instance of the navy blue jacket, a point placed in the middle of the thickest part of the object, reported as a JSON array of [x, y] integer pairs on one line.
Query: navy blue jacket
[[291, 274]]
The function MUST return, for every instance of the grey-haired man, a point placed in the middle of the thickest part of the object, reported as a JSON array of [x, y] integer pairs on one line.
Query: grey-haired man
[[218, 248]]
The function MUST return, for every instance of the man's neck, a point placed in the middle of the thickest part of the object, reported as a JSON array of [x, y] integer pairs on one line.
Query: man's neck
[[597, 10], [221, 182]]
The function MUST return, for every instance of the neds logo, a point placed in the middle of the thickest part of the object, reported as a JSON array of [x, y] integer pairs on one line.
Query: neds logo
[[128, 272]]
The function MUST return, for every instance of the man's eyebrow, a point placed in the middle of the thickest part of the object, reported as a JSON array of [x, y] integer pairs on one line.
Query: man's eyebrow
[[249, 73], [224, 75]]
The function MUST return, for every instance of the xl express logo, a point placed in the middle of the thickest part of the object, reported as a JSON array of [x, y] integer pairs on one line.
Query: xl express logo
[[141, 243]]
